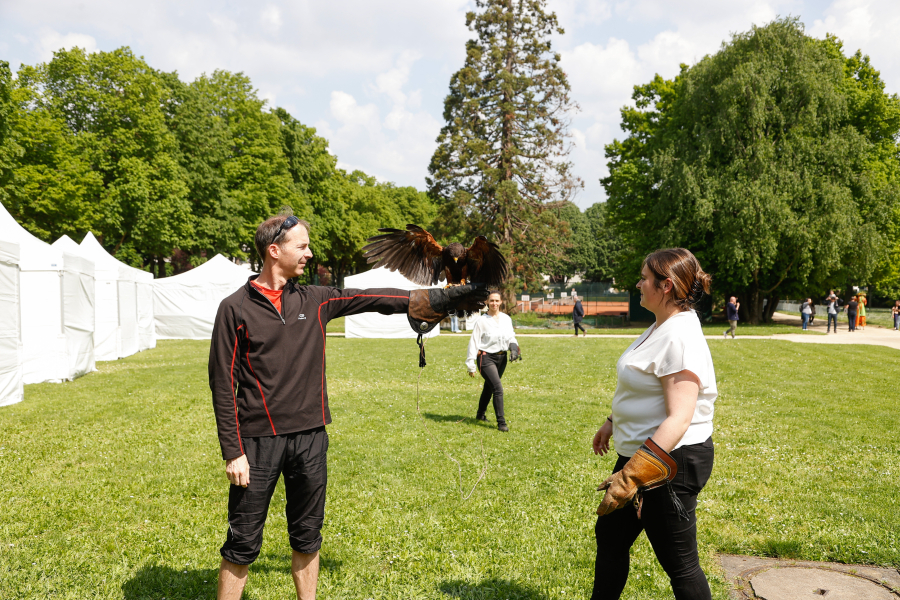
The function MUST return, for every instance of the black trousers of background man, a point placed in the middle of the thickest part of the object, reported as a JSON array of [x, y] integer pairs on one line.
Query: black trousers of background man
[[492, 367], [577, 327]]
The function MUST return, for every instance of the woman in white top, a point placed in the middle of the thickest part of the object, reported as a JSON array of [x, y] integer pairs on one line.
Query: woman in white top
[[661, 422], [492, 336]]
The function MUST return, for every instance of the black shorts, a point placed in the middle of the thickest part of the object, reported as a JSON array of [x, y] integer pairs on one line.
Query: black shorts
[[302, 458]]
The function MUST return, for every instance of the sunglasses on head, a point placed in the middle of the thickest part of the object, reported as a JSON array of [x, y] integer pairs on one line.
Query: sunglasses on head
[[286, 225]]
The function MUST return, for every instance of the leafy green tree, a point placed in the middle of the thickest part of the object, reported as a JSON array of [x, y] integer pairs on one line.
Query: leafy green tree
[[203, 141], [112, 106], [605, 243], [501, 161], [352, 209], [8, 150], [758, 160], [312, 168], [256, 172], [576, 245], [52, 189]]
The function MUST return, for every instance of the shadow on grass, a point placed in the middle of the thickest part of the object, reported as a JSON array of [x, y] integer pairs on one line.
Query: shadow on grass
[[459, 419], [155, 582], [152, 582], [490, 589]]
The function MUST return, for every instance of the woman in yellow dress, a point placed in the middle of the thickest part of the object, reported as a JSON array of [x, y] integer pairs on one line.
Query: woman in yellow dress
[[861, 316]]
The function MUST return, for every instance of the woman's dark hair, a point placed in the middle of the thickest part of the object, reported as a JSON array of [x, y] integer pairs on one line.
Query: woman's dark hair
[[689, 281]]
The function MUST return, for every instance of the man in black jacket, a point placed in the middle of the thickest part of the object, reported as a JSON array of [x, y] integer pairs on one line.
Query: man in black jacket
[[267, 375], [577, 314]]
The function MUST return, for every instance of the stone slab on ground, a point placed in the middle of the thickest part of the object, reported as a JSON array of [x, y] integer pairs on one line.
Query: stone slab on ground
[[755, 578]]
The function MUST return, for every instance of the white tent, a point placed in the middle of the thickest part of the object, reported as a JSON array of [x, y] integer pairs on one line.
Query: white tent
[[11, 389], [376, 325], [124, 304], [77, 308], [42, 280], [184, 306]]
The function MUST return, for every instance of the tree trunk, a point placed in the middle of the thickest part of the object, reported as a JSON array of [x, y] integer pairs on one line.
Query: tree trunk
[[771, 306], [160, 266], [753, 302]]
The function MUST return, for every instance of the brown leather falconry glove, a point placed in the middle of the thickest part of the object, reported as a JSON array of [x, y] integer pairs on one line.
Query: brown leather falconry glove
[[650, 467], [429, 307]]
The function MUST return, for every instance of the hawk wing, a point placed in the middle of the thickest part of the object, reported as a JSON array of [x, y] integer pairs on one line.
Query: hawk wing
[[485, 264], [413, 253]]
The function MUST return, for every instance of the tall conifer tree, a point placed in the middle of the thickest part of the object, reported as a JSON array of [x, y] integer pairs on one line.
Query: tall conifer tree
[[502, 159]]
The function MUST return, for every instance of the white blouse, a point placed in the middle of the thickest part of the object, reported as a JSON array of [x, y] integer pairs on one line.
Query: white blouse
[[490, 336], [639, 407]]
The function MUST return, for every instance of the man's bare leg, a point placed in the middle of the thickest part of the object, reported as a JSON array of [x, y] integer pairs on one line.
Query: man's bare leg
[[232, 579], [305, 570]]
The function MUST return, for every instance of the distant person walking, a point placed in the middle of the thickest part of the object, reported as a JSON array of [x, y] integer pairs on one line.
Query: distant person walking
[[731, 313], [492, 337], [832, 304], [852, 308], [861, 318], [895, 312], [806, 312], [578, 314]]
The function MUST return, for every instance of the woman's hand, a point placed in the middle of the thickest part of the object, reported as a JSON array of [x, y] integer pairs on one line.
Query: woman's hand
[[471, 373], [601, 438]]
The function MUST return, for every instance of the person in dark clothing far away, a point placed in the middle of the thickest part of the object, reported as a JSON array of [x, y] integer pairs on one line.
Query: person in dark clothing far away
[[578, 314], [832, 306], [852, 308], [267, 376], [731, 313]]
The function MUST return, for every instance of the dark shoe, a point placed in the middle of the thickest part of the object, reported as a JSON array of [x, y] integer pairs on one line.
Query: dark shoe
[[502, 427], [481, 417]]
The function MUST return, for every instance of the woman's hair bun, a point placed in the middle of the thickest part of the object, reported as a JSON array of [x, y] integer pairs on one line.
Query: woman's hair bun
[[689, 281]]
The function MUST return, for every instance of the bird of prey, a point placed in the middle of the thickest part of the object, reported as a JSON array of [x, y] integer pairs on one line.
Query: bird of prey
[[421, 259]]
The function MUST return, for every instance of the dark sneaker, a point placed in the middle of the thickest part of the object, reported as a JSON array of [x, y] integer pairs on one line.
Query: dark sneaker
[[502, 427], [481, 417]]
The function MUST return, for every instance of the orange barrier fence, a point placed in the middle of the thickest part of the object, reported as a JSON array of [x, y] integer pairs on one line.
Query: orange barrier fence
[[557, 308]]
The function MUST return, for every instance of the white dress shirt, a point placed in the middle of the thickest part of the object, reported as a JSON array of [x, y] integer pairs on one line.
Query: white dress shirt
[[491, 336]]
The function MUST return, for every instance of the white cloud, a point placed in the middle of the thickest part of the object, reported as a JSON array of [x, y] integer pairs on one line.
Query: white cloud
[[271, 18], [870, 26], [49, 41]]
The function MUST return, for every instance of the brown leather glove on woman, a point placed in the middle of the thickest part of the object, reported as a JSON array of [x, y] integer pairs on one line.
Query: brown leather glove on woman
[[649, 468]]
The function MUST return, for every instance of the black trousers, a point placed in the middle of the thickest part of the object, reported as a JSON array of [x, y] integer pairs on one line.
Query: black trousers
[[302, 458], [831, 319], [578, 326], [491, 367], [674, 540], [851, 316]]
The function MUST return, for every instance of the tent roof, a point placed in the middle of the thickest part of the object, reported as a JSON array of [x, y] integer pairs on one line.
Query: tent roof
[[73, 256], [105, 261], [216, 271], [34, 254], [382, 278], [9, 253]]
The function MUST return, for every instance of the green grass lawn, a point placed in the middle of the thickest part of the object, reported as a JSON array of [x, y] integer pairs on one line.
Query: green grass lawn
[[113, 487]]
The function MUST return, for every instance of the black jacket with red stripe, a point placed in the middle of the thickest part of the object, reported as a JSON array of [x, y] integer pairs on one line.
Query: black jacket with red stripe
[[267, 370]]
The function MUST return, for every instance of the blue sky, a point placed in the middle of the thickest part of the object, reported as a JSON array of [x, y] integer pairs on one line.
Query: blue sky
[[371, 75]]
